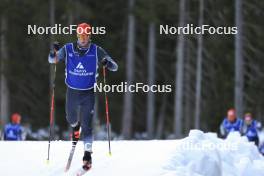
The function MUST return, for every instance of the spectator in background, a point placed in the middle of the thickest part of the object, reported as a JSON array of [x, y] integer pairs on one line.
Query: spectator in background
[[13, 130], [250, 128], [230, 123]]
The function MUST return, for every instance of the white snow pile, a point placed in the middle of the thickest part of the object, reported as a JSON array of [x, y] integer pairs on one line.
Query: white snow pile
[[203, 154]]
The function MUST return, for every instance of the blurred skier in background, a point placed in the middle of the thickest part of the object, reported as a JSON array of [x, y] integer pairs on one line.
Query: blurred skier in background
[[251, 128], [13, 131], [231, 123]]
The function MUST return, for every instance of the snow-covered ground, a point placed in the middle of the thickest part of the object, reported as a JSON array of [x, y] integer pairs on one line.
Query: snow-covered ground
[[199, 154]]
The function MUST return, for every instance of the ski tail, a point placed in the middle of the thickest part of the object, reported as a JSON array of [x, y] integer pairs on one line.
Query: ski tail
[[68, 165], [74, 144]]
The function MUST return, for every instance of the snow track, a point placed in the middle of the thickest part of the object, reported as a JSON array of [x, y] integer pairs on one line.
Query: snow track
[[234, 156]]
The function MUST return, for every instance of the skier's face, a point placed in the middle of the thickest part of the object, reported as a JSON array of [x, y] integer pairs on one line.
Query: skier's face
[[16, 119], [248, 119], [231, 115], [83, 39]]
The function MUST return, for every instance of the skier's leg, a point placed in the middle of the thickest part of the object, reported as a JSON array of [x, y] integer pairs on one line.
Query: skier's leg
[[71, 107], [87, 112]]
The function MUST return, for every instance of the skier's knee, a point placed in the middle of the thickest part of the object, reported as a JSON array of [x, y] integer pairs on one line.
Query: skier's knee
[[73, 122]]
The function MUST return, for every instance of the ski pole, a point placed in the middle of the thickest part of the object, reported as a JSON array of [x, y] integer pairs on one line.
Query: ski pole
[[52, 106], [108, 125]]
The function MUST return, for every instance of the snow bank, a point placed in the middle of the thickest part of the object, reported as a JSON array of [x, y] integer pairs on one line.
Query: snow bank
[[199, 154], [129, 158], [203, 154]]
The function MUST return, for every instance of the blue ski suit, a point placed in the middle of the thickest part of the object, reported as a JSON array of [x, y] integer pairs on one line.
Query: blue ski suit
[[251, 131], [13, 132], [227, 126]]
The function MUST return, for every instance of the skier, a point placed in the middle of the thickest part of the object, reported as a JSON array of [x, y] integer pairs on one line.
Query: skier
[[82, 59], [250, 128], [13, 130], [230, 123]]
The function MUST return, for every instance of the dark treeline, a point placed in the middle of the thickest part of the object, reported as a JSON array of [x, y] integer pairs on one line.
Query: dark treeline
[[132, 38]]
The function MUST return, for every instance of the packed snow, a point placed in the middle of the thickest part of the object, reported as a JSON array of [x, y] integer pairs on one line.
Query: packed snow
[[203, 154], [199, 154]]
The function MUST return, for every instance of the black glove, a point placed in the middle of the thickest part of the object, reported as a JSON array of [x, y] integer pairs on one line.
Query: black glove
[[104, 62], [56, 46]]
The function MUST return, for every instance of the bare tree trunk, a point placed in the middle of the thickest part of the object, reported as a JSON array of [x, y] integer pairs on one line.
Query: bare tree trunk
[[188, 84], [70, 13], [128, 98], [161, 118], [151, 81], [199, 71], [4, 91], [258, 113], [239, 75], [179, 75], [188, 98], [52, 18]]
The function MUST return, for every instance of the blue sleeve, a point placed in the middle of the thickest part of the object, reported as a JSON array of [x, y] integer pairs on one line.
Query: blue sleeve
[[111, 64], [5, 131], [256, 124], [61, 54], [222, 129], [20, 133]]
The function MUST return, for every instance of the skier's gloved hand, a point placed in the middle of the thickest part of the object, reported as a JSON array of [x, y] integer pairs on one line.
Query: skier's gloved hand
[[52, 54], [54, 49], [104, 62]]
